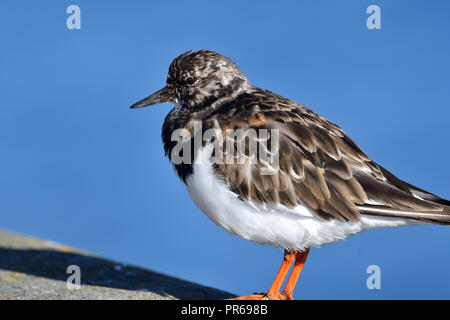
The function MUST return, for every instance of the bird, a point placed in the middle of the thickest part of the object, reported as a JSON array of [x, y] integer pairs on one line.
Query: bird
[[318, 188]]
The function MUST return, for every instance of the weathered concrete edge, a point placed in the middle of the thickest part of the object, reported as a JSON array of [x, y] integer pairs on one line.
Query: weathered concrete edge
[[32, 268]]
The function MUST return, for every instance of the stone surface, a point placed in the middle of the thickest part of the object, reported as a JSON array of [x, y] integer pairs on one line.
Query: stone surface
[[37, 269]]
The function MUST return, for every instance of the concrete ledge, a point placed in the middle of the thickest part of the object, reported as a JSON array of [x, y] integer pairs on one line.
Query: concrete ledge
[[36, 269]]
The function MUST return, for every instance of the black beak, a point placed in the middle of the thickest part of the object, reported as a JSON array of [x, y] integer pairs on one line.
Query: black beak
[[159, 96]]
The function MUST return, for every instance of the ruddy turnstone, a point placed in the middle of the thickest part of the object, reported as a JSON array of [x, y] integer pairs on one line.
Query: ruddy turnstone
[[312, 186]]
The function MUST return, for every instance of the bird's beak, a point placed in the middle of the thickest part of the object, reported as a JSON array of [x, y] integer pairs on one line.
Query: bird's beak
[[159, 96]]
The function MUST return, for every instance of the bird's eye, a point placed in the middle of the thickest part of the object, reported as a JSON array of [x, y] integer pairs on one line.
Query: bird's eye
[[169, 80], [191, 80]]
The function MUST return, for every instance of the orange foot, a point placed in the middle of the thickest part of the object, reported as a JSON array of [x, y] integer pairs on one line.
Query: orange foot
[[274, 291], [264, 296]]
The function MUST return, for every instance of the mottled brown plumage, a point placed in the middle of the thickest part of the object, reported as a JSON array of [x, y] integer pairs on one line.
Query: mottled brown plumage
[[320, 166]]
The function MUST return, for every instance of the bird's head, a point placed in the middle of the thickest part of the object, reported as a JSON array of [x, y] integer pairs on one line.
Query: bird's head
[[197, 79]]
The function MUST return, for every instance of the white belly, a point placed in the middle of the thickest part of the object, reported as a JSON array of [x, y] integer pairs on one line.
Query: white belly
[[280, 226]]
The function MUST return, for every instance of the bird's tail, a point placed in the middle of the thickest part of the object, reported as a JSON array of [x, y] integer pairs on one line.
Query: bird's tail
[[422, 205]]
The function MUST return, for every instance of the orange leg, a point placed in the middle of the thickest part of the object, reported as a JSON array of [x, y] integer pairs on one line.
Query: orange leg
[[300, 258], [274, 290]]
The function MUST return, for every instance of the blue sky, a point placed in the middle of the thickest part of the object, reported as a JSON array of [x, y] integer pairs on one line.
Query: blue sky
[[77, 166]]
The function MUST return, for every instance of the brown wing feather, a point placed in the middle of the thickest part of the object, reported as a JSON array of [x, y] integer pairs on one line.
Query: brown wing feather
[[320, 167]]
